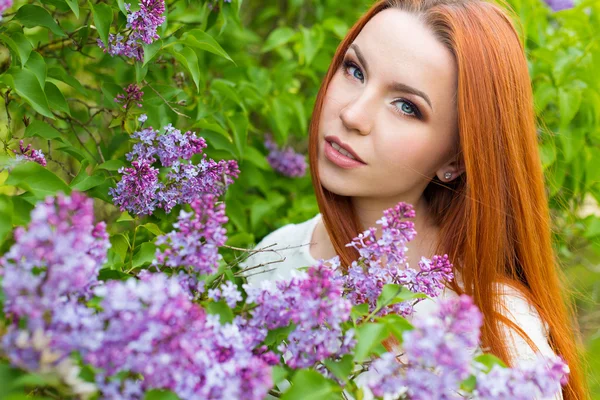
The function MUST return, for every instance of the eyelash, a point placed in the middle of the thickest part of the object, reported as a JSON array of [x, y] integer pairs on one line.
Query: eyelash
[[347, 64]]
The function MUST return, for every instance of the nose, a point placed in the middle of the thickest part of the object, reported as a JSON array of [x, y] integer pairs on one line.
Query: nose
[[358, 114]]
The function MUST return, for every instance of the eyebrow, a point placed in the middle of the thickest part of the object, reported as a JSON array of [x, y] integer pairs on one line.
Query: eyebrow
[[395, 86]]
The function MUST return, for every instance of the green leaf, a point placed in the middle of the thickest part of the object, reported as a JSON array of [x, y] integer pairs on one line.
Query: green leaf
[[152, 228], [151, 50], [157, 394], [144, 255], [312, 42], [544, 93], [42, 129], [120, 245], [278, 37], [199, 39], [256, 158], [278, 335], [369, 336], [239, 125], [393, 294], [279, 373], [56, 99], [88, 182], [227, 90], [336, 26], [359, 310], [187, 57], [309, 384], [340, 368], [211, 126], [36, 179], [103, 17], [396, 324], [140, 72], [74, 5], [19, 44], [569, 101], [32, 16], [112, 165], [27, 86], [37, 65], [6, 212], [59, 73], [489, 360], [124, 217], [221, 309], [281, 119]]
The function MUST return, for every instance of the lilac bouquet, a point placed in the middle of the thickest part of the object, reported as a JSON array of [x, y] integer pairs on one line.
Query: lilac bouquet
[[183, 325]]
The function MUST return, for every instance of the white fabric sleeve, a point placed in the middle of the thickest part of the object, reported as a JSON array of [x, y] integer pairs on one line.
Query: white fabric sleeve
[[524, 315]]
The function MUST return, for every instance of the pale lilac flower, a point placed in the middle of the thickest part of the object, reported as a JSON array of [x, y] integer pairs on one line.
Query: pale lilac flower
[[140, 29], [195, 242], [558, 5], [184, 181], [143, 118], [285, 161], [530, 379], [29, 154], [153, 329], [313, 302], [137, 190], [383, 261], [133, 94], [227, 292]]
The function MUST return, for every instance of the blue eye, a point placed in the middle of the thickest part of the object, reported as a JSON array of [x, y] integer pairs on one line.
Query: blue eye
[[408, 108], [348, 64]]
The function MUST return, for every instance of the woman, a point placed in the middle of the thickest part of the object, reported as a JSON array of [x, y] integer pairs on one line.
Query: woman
[[429, 102]]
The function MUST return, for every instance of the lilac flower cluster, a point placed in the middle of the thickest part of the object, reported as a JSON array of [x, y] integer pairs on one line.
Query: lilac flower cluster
[[195, 242], [29, 154], [5, 4], [285, 161], [154, 329], [141, 29], [438, 356], [313, 303], [558, 5], [133, 94], [228, 292], [383, 261], [53, 264], [531, 379], [140, 191]]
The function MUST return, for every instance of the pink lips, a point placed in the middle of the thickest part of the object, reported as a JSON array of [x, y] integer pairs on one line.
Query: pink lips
[[339, 159]]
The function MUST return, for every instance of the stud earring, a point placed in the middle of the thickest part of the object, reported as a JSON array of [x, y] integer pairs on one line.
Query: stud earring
[[448, 175]]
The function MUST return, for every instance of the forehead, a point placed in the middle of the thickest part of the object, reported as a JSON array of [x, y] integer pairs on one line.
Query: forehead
[[399, 47]]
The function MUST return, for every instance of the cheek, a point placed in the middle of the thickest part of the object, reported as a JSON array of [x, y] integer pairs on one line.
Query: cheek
[[401, 151]]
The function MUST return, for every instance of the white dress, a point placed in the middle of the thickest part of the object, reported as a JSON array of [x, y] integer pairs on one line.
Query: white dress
[[292, 243]]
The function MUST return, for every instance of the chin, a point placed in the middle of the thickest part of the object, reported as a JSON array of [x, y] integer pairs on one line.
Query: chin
[[342, 186]]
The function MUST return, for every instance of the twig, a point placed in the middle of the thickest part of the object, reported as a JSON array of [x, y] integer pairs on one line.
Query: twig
[[166, 102]]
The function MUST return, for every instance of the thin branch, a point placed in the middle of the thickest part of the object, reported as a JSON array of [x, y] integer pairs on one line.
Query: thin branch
[[166, 102]]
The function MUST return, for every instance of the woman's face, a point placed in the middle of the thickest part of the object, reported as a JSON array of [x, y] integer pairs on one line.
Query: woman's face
[[392, 101]]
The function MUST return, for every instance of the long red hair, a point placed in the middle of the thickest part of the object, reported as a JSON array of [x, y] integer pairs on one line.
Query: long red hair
[[493, 219]]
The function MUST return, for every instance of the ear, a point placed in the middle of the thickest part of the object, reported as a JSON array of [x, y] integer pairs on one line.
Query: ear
[[454, 167]]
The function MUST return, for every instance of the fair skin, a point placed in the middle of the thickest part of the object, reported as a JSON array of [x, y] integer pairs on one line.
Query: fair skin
[[404, 139]]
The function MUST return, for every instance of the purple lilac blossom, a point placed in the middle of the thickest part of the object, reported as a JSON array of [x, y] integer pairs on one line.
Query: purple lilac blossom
[[313, 302], [285, 161], [195, 242], [154, 329], [141, 29], [142, 118], [383, 261], [137, 191], [133, 94], [183, 183], [437, 354], [530, 379], [558, 5], [50, 269], [227, 292], [29, 154]]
